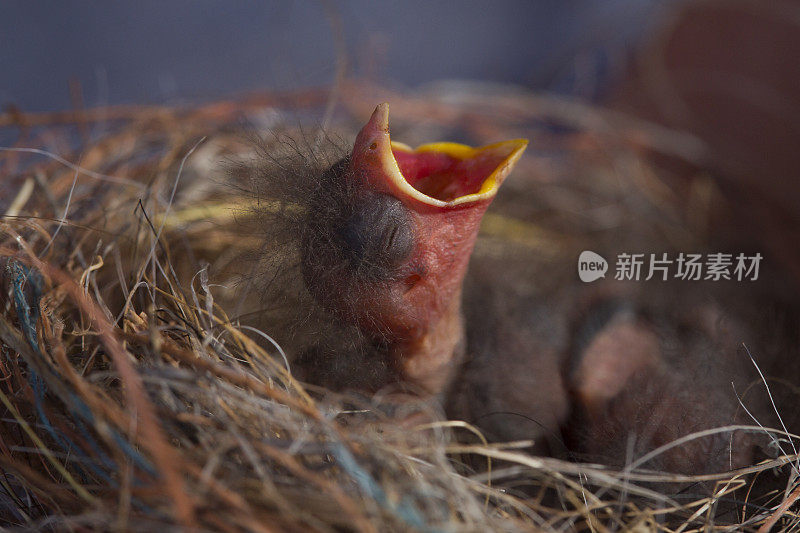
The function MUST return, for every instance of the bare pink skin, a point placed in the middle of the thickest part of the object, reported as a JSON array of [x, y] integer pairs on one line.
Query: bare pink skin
[[421, 314], [444, 236], [617, 353], [637, 391]]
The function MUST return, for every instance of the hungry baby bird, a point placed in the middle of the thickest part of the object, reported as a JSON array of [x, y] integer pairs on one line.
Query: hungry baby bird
[[392, 259], [368, 250], [381, 238]]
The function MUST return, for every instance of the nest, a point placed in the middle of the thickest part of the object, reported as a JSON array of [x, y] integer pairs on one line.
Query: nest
[[135, 396]]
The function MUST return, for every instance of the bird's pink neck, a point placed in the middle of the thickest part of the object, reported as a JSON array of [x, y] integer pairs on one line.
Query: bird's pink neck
[[428, 360]]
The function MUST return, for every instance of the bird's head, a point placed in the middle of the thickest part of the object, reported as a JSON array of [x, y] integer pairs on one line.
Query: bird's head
[[392, 228]]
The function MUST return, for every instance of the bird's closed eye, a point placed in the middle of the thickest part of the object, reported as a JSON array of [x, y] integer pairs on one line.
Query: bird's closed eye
[[377, 235], [391, 240]]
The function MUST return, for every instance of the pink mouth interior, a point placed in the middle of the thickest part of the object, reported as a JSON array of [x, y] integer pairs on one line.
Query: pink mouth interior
[[444, 177]]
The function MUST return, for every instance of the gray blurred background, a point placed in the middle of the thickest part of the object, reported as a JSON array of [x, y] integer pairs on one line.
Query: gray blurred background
[[179, 51]]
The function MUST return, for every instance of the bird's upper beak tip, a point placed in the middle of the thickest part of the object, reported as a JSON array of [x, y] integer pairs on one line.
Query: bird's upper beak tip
[[380, 117]]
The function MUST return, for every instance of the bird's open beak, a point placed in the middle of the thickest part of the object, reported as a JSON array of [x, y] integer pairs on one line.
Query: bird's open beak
[[438, 176], [446, 188]]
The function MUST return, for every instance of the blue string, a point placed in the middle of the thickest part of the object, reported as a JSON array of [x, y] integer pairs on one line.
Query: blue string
[[405, 510], [82, 410], [28, 316], [110, 465]]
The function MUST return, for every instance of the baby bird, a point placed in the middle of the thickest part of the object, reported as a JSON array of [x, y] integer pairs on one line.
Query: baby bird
[[385, 239], [392, 255]]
